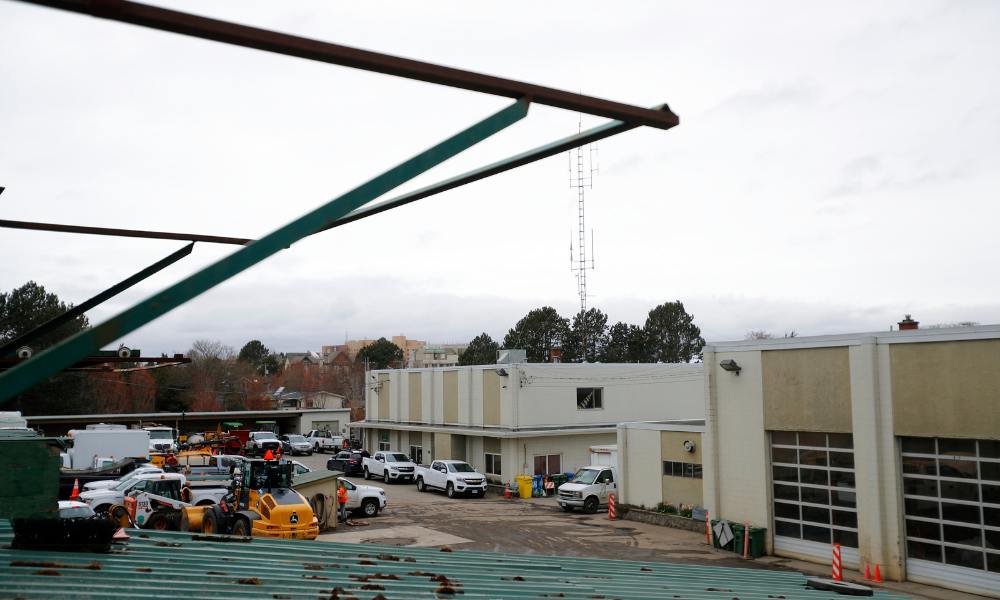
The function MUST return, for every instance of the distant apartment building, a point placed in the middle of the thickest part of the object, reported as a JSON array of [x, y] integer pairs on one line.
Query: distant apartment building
[[513, 419], [436, 357]]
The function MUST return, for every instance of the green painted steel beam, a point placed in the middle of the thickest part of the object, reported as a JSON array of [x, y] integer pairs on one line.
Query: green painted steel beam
[[67, 352], [518, 160]]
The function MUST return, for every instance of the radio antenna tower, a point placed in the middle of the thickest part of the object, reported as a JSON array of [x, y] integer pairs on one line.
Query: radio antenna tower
[[581, 177]]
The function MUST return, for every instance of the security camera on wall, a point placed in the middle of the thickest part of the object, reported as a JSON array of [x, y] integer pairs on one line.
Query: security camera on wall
[[689, 446]]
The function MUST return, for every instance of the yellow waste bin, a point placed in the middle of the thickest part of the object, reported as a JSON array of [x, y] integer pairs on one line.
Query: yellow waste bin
[[524, 486]]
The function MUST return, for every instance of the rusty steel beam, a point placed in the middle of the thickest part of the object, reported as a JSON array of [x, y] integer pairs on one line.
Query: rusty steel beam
[[138, 233], [518, 160], [346, 56]]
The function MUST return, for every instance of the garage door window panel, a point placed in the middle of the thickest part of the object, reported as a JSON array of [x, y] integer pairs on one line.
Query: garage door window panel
[[951, 504], [813, 474]]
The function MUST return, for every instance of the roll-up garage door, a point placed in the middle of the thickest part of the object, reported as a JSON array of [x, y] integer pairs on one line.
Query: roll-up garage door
[[815, 505], [951, 497]]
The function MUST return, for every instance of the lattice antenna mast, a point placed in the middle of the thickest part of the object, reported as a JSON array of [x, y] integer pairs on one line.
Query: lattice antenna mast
[[582, 168]]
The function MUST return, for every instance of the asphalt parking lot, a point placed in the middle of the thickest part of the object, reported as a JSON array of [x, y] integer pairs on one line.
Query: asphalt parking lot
[[494, 523]]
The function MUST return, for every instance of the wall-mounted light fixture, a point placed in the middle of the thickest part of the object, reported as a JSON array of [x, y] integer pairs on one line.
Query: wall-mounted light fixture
[[689, 446], [731, 366], [501, 372]]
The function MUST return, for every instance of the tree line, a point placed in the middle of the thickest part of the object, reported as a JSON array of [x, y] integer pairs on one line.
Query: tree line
[[668, 335], [217, 378]]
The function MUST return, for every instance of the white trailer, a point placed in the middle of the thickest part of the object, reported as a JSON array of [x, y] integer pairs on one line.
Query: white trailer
[[97, 447]]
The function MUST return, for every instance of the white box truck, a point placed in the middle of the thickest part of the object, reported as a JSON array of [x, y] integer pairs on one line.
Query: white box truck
[[604, 456], [101, 446]]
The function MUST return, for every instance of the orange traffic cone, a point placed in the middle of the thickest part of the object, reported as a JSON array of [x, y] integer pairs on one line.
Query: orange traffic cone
[[878, 575], [269, 455], [868, 572], [76, 490]]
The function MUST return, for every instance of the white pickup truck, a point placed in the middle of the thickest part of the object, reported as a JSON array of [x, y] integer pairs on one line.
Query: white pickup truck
[[366, 500], [110, 483], [322, 440], [390, 466], [589, 489], [154, 483], [453, 476]]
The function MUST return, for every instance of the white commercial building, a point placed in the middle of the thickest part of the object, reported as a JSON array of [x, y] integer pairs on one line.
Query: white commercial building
[[885, 443], [514, 419]]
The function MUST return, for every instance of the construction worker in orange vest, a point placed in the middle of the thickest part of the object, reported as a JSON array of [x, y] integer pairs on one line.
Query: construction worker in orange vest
[[342, 501]]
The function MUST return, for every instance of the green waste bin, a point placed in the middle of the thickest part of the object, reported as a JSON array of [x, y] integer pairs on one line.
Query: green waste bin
[[558, 479], [756, 547]]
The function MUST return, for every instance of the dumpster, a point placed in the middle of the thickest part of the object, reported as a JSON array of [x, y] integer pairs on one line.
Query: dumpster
[[756, 547], [558, 479], [524, 485]]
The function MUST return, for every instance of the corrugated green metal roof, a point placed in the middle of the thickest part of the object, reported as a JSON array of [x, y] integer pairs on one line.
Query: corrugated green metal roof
[[180, 565]]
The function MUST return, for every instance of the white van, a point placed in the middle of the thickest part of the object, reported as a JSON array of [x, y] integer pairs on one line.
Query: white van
[[589, 489]]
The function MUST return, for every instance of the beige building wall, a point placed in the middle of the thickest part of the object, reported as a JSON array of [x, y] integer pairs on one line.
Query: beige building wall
[[742, 469], [807, 389], [876, 470], [630, 393], [574, 450], [642, 474], [383, 396], [680, 490], [415, 397], [442, 446], [491, 397], [450, 396], [947, 389]]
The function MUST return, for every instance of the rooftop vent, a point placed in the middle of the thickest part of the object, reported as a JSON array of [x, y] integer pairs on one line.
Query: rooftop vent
[[908, 323]]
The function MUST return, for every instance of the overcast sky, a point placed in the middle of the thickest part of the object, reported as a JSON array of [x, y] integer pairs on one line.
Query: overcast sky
[[835, 166]]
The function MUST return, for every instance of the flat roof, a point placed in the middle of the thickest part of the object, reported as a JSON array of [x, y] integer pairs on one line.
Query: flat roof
[[909, 336]]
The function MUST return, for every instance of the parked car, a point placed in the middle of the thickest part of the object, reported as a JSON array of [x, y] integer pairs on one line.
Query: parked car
[[366, 500], [260, 442], [453, 476], [390, 466], [348, 462], [322, 440], [589, 489], [296, 444]]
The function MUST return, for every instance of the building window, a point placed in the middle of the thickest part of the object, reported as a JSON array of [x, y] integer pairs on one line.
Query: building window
[[589, 398], [813, 479], [681, 469], [383, 446], [548, 464], [493, 464], [951, 499], [417, 454]]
